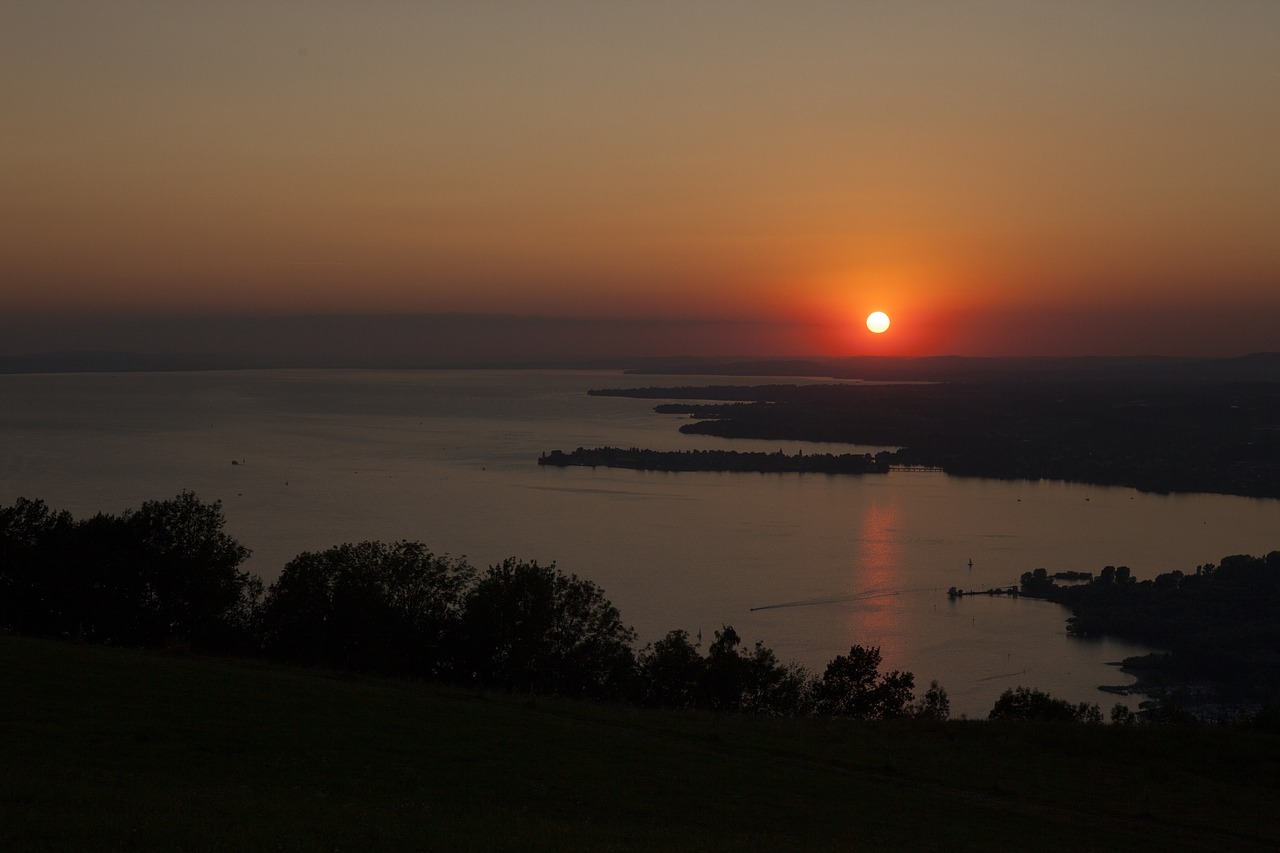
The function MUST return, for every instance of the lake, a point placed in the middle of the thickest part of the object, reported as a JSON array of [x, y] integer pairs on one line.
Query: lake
[[809, 564]]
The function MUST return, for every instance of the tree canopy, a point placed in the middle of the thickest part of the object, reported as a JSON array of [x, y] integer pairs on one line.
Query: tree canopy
[[163, 574], [1024, 703], [392, 608], [532, 627], [852, 686]]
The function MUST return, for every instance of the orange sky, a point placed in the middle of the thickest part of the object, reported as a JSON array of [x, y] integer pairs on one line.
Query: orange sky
[[1000, 177]]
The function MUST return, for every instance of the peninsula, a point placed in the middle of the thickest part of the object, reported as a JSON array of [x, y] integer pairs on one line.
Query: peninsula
[[720, 460], [1169, 434]]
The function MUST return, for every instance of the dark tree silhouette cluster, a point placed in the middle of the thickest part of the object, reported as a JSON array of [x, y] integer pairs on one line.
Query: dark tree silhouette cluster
[[533, 628], [166, 575], [374, 607], [673, 673], [852, 686], [1024, 704], [733, 677], [162, 575]]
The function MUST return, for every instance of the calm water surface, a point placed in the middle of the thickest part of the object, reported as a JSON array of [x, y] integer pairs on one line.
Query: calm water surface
[[448, 458]]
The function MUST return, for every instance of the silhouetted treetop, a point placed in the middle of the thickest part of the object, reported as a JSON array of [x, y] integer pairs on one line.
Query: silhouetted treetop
[[372, 606], [163, 574], [533, 628]]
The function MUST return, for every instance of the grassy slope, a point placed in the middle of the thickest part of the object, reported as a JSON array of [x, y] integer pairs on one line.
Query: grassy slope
[[112, 749]]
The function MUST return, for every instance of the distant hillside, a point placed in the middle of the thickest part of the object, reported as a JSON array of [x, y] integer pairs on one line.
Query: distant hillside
[[111, 362], [1257, 367]]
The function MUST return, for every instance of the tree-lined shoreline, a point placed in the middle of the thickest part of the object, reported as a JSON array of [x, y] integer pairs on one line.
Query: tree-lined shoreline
[[719, 460], [167, 576]]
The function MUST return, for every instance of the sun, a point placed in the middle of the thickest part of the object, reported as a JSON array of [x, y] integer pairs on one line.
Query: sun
[[878, 321]]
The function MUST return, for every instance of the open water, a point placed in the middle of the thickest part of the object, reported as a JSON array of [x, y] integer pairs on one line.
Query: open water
[[809, 564]]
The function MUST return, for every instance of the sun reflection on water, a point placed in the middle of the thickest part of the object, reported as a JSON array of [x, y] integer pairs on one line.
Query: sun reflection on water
[[876, 578]]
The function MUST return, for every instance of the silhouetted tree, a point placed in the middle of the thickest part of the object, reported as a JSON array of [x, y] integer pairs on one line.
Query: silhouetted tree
[[852, 686], [731, 678], [726, 673], [774, 688], [670, 672], [1037, 582], [33, 581], [534, 628], [1121, 715], [933, 705], [373, 606], [190, 582], [165, 573]]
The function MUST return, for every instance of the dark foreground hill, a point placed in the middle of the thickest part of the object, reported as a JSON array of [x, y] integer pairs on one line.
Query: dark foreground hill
[[106, 749]]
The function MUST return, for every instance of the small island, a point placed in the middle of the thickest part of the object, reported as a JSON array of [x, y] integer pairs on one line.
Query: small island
[[720, 460]]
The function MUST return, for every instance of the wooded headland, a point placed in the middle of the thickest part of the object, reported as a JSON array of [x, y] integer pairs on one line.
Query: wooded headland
[[720, 460], [1156, 436]]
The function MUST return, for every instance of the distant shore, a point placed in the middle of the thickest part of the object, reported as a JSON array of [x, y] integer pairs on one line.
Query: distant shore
[[1155, 436], [719, 460]]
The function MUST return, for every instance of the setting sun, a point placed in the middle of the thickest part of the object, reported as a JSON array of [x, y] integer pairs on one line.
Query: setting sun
[[878, 321]]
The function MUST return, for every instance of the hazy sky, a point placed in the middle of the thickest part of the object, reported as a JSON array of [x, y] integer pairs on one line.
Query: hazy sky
[[1000, 177]]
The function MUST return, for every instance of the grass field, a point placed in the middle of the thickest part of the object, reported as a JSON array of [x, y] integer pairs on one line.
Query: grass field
[[107, 749]]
